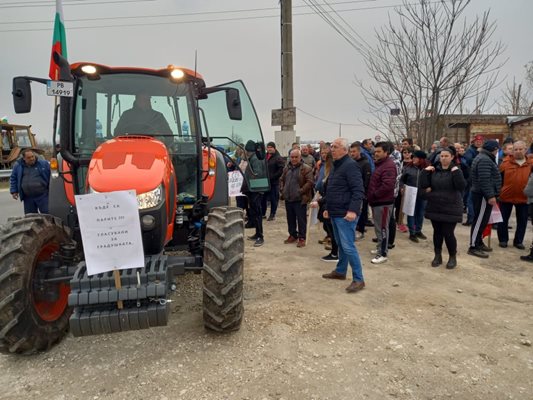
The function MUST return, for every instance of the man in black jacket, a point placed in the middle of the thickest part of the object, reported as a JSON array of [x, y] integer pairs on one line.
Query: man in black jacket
[[366, 171], [344, 195], [486, 185], [275, 164]]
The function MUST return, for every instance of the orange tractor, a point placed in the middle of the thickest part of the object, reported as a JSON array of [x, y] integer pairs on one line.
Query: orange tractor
[[178, 168]]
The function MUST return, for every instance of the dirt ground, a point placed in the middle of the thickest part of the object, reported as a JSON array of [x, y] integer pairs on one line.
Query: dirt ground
[[415, 332]]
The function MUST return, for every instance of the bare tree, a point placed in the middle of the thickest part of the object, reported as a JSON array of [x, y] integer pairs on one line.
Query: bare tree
[[516, 100], [432, 61]]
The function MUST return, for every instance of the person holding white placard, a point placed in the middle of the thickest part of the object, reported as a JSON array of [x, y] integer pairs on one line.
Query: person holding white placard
[[411, 177], [445, 204]]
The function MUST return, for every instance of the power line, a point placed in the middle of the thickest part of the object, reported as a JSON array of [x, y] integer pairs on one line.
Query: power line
[[194, 21], [21, 4], [326, 120], [28, 4]]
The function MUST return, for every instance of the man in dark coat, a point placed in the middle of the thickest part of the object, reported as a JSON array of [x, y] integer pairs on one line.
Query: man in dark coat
[[381, 198], [486, 185], [296, 185], [275, 164], [366, 170], [29, 182], [344, 195], [142, 119]]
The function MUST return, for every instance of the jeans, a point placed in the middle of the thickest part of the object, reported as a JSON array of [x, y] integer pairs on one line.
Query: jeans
[[416, 221], [273, 196], [36, 204], [469, 208], [296, 218], [521, 211], [345, 235]]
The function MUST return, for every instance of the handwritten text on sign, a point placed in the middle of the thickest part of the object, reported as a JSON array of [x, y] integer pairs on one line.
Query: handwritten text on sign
[[110, 230]]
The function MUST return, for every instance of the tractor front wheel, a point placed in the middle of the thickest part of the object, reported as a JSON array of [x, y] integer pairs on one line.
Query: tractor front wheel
[[29, 322], [223, 269]]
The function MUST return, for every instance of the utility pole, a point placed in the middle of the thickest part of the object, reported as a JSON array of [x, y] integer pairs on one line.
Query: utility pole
[[287, 94], [286, 115]]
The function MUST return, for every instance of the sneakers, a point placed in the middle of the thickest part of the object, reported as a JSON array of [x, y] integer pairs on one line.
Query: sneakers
[[378, 260], [289, 240], [355, 286], [519, 246], [420, 235], [301, 243], [359, 236], [330, 258], [259, 242], [473, 251], [271, 218], [402, 228], [484, 247], [328, 247], [375, 252], [334, 275], [413, 238], [391, 246]]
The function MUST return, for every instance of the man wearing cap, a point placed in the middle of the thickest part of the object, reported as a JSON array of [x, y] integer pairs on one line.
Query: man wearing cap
[[486, 184], [254, 169], [275, 164]]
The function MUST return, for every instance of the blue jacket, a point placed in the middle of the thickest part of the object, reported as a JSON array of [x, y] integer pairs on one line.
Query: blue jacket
[[15, 181], [370, 159], [344, 189]]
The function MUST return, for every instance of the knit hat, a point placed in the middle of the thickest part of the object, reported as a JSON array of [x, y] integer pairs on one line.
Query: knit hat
[[491, 145], [271, 144], [479, 137], [420, 154], [250, 146]]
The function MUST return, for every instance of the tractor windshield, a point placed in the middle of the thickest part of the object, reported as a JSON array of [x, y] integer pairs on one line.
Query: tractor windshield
[[131, 104]]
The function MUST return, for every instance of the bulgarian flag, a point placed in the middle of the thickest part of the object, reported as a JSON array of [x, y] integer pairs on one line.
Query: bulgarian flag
[[59, 42]]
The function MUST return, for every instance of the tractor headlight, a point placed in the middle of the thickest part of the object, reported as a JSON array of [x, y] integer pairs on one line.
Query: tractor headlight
[[150, 199]]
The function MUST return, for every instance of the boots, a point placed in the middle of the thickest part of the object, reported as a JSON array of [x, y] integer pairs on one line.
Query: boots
[[452, 262], [529, 257], [438, 258]]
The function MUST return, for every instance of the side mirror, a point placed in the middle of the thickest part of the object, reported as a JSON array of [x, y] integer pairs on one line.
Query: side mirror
[[21, 95], [233, 103]]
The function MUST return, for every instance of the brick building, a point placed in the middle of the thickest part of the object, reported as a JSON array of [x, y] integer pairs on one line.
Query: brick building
[[461, 128]]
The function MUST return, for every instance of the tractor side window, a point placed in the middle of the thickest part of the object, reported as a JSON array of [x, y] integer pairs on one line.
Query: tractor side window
[[23, 138], [234, 136]]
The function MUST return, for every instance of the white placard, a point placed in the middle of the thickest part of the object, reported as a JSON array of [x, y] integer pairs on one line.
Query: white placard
[[235, 180], [111, 231], [57, 88], [495, 215], [409, 200]]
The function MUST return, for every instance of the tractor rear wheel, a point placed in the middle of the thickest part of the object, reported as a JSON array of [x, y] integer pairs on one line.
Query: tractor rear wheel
[[223, 269], [29, 323]]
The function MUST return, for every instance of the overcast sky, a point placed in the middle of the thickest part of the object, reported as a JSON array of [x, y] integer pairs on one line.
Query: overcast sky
[[245, 46]]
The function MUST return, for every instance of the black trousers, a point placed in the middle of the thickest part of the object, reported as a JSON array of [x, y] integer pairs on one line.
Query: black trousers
[[329, 229], [482, 211], [296, 218], [255, 213], [363, 218], [444, 232], [521, 211]]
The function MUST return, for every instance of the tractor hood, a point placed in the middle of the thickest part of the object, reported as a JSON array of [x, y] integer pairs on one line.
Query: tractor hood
[[126, 163]]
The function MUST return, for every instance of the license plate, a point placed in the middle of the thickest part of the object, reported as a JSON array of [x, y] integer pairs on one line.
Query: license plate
[[57, 88]]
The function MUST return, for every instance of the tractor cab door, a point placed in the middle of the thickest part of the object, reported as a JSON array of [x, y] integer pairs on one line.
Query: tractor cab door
[[237, 134]]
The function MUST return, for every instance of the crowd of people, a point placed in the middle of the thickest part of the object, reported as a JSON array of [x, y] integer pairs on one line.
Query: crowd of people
[[476, 185]]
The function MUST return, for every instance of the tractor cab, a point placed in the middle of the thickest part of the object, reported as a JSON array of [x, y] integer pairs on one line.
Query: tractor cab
[[15, 138]]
